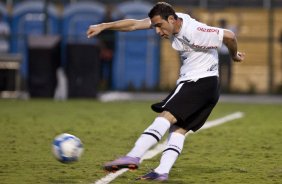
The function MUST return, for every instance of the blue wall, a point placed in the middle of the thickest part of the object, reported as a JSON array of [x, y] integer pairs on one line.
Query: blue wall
[[136, 61], [28, 19], [136, 58]]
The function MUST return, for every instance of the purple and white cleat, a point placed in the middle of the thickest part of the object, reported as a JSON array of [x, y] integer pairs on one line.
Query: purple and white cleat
[[154, 176], [131, 163]]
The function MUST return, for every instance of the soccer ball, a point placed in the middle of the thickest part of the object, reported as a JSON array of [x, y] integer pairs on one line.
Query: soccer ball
[[67, 148]]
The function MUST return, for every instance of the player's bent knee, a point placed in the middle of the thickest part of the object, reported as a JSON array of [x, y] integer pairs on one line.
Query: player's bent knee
[[177, 129], [167, 115]]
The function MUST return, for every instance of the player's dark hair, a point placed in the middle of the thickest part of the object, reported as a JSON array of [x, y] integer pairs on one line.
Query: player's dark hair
[[162, 9]]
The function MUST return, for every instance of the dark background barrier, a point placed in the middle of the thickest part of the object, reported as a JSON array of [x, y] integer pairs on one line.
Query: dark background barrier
[[82, 70], [44, 59]]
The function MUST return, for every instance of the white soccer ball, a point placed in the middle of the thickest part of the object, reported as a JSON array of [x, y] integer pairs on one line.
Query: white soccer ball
[[67, 148]]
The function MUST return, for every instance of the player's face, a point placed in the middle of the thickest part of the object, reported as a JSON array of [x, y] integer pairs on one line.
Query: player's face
[[164, 28]]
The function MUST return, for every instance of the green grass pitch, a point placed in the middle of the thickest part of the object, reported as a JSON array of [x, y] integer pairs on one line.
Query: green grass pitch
[[247, 150]]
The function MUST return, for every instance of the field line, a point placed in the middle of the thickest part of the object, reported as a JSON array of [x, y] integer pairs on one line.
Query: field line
[[159, 148]]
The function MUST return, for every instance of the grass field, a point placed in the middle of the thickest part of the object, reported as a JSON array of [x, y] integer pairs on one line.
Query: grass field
[[245, 151]]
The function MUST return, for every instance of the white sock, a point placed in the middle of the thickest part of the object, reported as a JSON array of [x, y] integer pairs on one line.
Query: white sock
[[171, 153], [150, 137]]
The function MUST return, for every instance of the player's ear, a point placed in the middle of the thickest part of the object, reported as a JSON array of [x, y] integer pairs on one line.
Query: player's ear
[[171, 19]]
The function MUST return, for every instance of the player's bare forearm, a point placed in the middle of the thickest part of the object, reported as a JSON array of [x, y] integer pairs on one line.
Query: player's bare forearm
[[229, 39], [121, 25]]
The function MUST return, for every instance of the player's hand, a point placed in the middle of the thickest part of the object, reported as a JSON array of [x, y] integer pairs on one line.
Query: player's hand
[[94, 30], [240, 56]]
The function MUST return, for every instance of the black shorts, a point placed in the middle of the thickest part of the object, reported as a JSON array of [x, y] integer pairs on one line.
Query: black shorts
[[191, 102]]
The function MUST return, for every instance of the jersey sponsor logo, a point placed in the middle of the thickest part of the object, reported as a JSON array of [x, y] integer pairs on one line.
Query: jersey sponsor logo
[[204, 47], [209, 30], [186, 45]]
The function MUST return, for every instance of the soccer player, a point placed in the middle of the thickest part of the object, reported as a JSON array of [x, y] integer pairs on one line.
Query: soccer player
[[188, 106]]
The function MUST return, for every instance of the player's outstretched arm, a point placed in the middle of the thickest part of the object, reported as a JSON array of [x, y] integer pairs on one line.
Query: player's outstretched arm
[[229, 39], [121, 25]]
